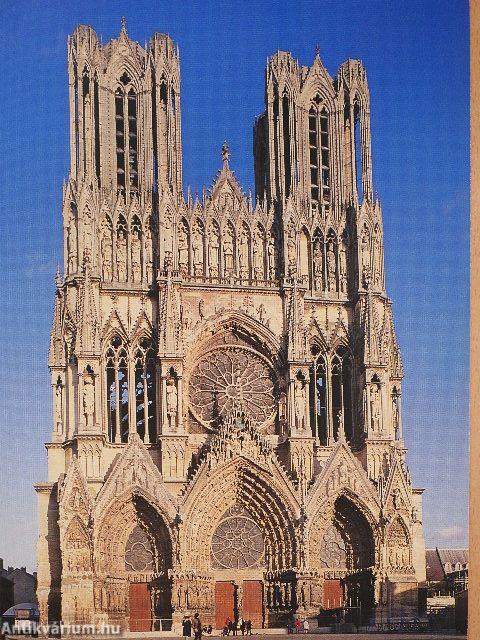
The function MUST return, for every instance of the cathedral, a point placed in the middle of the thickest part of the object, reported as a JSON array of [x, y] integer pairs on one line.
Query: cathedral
[[226, 379]]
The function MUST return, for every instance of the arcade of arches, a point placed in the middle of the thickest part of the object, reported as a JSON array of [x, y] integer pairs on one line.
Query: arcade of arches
[[226, 378]]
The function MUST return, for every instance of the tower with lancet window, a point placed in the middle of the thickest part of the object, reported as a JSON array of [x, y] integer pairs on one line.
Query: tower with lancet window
[[226, 379]]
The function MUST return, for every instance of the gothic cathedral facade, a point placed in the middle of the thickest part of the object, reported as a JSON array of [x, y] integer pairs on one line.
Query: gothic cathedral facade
[[227, 432]]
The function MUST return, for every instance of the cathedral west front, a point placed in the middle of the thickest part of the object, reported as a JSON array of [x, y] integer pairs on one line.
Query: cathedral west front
[[226, 379]]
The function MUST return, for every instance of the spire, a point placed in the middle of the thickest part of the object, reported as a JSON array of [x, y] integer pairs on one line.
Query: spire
[[170, 343], [123, 28], [317, 51], [225, 154], [370, 331], [56, 352]]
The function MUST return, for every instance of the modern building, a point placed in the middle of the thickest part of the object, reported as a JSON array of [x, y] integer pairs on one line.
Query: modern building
[[17, 585], [226, 380]]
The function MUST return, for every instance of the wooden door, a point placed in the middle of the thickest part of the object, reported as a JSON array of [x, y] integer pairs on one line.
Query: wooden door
[[140, 607], [332, 594], [252, 602], [224, 603]]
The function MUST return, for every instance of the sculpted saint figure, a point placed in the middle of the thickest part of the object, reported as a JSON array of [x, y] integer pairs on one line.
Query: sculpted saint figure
[[228, 253], [243, 254], [342, 260], [89, 401], [300, 401], [107, 247], [172, 403], [258, 256], [213, 246], [72, 245], [136, 256], [291, 249], [318, 265], [148, 255], [271, 258], [197, 249], [375, 407], [365, 258], [58, 408], [331, 268], [122, 256], [183, 250]]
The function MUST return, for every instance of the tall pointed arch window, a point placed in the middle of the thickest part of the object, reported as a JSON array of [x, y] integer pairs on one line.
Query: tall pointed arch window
[[96, 115], [116, 362], [86, 101], [357, 135], [126, 133], [319, 148], [318, 395], [145, 409], [287, 143]]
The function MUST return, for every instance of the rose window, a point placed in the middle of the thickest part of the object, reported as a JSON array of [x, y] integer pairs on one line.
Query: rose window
[[237, 543], [229, 377]]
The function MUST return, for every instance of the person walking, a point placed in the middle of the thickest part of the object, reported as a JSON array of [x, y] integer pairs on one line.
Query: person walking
[[306, 626], [297, 624], [241, 625], [248, 627], [186, 627], [197, 626]]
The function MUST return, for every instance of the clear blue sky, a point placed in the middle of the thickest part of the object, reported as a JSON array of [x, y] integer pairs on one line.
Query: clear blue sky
[[416, 55]]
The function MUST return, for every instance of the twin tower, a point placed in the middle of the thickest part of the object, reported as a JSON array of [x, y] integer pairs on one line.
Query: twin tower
[[227, 429]]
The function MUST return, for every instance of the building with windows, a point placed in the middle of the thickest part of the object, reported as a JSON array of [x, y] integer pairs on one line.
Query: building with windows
[[226, 380]]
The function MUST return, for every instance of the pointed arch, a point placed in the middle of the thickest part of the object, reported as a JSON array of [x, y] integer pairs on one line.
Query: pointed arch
[[305, 256], [121, 248], [214, 253], [117, 391], [198, 247], [145, 389], [331, 259], [244, 252], [259, 263]]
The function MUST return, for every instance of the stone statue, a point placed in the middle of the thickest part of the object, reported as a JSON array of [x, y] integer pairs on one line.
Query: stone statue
[[375, 407], [318, 265], [107, 246], [213, 246], [87, 230], [172, 403], [243, 254], [342, 263], [272, 267], [58, 407], [136, 256], [331, 268], [183, 250], [228, 253], [300, 402], [148, 255], [197, 250], [72, 245], [291, 249], [377, 259], [167, 235], [258, 266], [365, 258], [121, 256], [89, 401]]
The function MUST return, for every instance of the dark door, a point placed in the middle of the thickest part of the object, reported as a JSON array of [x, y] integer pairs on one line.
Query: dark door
[[224, 603], [140, 607], [252, 602]]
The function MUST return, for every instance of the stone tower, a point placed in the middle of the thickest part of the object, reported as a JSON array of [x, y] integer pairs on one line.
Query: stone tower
[[227, 431]]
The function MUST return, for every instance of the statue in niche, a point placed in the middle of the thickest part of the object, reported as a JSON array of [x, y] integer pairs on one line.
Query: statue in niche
[[342, 263], [331, 268], [396, 415], [72, 245], [375, 407], [258, 266], [58, 407], [183, 250], [291, 249], [107, 248], [197, 250], [167, 223], [122, 255], [377, 272], [148, 255], [300, 404], [318, 265], [228, 252], [89, 401], [365, 258], [136, 251], [213, 247], [271, 258], [87, 230], [172, 403], [243, 254]]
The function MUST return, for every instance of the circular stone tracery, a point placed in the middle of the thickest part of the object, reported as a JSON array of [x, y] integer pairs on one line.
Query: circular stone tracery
[[237, 544], [232, 375]]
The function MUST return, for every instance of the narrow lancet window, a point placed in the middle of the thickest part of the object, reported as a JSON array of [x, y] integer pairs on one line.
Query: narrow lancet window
[[120, 137], [287, 144]]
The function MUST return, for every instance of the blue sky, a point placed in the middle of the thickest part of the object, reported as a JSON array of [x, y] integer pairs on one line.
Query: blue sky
[[416, 56]]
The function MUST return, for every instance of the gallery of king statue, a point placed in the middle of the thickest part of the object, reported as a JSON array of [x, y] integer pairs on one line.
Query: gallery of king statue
[[226, 379]]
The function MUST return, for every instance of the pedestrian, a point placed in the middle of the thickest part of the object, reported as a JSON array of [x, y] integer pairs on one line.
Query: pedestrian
[[241, 624], [297, 624], [186, 627], [234, 627], [197, 626], [228, 626], [248, 627], [306, 626]]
